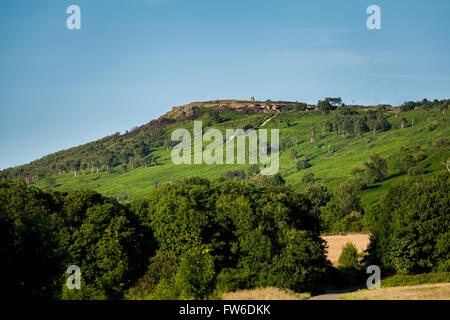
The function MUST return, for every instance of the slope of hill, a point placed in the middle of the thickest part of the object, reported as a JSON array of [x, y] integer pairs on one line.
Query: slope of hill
[[332, 143]]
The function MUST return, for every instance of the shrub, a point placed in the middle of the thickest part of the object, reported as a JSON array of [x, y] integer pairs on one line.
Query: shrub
[[349, 257], [162, 266], [308, 176], [252, 170], [270, 181], [318, 194], [302, 164], [406, 162], [420, 156], [376, 169], [230, 279], [416, 170], [237, 174], [442, 143], [400, 280]]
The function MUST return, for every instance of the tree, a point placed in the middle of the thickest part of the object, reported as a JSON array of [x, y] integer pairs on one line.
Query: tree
[[335, 102], [237, 174], [50, 182], [302, 164], [402, 122], [249, 234], [308, 176], [410, 226], [196, 274], [104, 239], [311, 132], [376, 169], [346, 197], [215, 117], [328, 104], [416, 170], [300, 106], [349, 257], [407, 161], [324, 106], [300, 264], [293, 154], [252, 170], [270, 181], [408, 106], [327, 126], [318, 194], [29, 255]]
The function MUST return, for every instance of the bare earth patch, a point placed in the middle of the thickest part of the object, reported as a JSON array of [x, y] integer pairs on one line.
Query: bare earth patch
[[269, 293], [437, 291], [336, 243]]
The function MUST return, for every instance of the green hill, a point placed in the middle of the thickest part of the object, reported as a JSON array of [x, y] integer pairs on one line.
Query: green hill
[[130, 165]]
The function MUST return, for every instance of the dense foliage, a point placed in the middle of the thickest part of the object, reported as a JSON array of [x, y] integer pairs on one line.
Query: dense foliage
[[208, 237], [425, 104], [240, 233], [132, 149], [44, 233], [349, 121], [411, 226]]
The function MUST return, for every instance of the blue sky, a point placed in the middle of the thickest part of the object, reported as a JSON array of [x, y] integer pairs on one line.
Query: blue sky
[[133, 60]]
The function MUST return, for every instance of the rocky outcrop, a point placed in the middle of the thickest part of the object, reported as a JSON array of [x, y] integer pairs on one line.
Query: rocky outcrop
[[196, 109]]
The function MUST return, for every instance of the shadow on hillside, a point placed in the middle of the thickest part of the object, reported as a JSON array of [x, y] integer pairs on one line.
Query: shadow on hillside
[[394, 175], [374, 186]]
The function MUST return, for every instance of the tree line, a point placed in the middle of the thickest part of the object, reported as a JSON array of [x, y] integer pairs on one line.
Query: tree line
[[197, 238], [191, 239], [128, 150]]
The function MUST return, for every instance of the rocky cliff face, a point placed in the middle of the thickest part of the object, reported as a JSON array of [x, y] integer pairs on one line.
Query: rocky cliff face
[[196, 109]]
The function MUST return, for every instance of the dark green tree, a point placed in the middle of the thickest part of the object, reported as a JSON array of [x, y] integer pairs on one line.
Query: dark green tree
[[376, 168]]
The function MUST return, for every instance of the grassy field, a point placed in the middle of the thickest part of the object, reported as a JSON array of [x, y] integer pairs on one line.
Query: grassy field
[[437, 291], [336, 243], [332, 156]]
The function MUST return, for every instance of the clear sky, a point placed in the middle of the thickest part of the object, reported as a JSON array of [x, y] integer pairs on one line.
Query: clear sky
[[133, 60]]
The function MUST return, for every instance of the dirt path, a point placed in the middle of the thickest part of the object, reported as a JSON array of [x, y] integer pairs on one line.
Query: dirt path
[[334, 293], [327, 296], [265, 122]]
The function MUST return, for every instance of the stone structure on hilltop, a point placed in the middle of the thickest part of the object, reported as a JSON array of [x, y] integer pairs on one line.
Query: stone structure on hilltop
[[196, 109]]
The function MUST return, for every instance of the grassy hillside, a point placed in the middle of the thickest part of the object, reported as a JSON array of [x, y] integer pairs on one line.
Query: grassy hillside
[[241, 235], [332, 156]]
